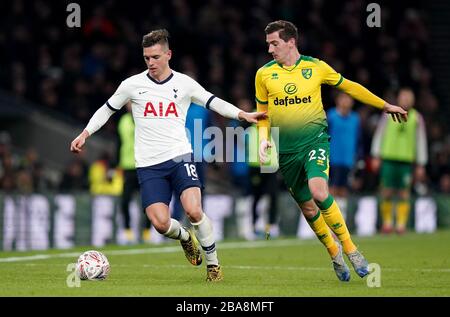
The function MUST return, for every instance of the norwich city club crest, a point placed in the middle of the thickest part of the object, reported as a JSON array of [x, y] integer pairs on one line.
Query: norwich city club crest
[[307, 73]]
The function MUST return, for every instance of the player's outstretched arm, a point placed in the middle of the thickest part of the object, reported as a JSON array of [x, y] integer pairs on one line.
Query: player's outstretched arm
[[363, 95], [228, 110]]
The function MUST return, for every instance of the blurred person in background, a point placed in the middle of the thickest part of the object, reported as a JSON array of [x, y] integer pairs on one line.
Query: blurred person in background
[[74, 176], [125, 128], [104, 178], [444, 184], [262, 184], [239, 168], [7, 168], [396, 150], [198, 119], [345, 136]]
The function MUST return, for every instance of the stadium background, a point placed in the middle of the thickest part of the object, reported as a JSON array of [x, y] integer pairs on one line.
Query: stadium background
[[53, 78]]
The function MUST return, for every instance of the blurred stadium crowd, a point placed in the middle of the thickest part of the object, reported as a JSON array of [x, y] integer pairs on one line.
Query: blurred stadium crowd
[[221, 44]]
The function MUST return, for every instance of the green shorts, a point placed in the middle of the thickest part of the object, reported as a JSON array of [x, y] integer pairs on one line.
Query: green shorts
[[297, 168], [396, 175]]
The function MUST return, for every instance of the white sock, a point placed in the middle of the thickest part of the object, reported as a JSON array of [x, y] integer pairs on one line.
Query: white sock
[[176, 231], [204, 233]]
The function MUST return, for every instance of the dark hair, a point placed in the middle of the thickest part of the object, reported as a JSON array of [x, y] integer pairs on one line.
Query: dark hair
[[286, 28], [160, 36], [407, 88]]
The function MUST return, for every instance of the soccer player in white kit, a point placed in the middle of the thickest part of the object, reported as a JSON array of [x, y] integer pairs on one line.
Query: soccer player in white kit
[[160, 99]]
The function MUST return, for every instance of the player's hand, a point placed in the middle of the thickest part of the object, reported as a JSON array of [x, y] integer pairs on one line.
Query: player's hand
[[263, 147], [252, 117], [397, 113], [419, 173], [376, 163], [77, 144]]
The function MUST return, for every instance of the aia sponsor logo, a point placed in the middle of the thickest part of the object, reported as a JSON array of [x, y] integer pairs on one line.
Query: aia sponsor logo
[[160, 110]]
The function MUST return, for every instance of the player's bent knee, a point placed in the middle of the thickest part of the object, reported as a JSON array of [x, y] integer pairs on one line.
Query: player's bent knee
[[309, 212], [308, 209], [319, 194], [191, 201], [194, 214], [161, 227], [160, 223]]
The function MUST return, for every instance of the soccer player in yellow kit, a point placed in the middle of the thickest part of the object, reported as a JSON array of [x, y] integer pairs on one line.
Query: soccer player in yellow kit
[[288, 88]]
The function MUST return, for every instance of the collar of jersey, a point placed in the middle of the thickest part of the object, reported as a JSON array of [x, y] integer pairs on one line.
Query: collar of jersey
[[295, 66], [160, 82]]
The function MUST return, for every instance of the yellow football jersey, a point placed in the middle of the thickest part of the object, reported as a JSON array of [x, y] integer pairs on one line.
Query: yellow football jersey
[[293, 96]]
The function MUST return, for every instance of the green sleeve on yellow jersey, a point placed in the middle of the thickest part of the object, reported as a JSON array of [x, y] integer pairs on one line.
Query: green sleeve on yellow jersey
[[261, 94]]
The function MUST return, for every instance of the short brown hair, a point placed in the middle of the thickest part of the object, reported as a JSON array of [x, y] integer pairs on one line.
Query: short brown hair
[[286, 28], [160, 36]]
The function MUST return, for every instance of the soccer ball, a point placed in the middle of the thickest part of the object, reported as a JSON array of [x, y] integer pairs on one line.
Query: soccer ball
[[92, 265]]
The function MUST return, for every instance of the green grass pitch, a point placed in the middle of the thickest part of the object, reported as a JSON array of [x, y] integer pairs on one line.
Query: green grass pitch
[[411, 265]]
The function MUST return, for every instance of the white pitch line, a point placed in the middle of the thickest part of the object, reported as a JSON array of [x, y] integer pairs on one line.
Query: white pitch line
[[257, 267], [249, 267], [171, 249], [289, 268]]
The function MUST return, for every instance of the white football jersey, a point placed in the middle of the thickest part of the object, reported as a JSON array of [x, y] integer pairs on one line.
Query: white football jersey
[[159, 111]]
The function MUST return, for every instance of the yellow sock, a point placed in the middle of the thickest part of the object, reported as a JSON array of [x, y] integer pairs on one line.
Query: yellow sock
[[403, 208], [129, 234], [146, 235], [386, 212], [333, 217], [320, 228]]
